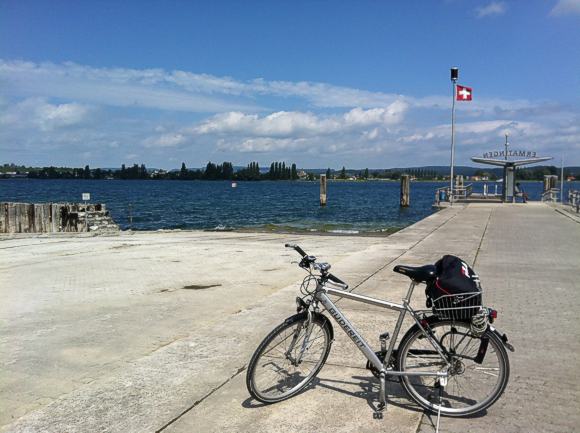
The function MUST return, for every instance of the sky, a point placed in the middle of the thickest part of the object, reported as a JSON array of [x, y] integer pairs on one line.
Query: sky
[[319, 83]]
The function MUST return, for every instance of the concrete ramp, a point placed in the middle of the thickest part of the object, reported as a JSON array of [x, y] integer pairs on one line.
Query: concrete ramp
[[528, 260]]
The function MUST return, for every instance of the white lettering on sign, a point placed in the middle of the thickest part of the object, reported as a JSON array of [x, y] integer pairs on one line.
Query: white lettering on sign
[[516, 153]]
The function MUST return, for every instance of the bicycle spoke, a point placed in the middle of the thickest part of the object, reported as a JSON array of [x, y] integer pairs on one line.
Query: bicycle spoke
[[469, 384], [287, 362]]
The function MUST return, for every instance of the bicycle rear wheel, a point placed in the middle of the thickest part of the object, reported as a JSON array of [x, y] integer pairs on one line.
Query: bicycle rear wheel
[[474, 382], [289, 358]]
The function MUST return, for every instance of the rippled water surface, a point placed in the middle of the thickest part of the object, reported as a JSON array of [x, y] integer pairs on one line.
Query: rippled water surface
[[265, 205]]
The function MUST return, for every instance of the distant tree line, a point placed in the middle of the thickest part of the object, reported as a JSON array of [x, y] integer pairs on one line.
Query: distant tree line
[[392, 174], [212, 171], [252, 172]]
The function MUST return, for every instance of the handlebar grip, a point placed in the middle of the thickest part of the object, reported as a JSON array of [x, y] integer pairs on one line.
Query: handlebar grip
[[337, 280], [297, 248]]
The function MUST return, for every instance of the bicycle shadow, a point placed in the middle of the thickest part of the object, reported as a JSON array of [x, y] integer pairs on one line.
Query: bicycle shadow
[[250, 403], [368, 390]]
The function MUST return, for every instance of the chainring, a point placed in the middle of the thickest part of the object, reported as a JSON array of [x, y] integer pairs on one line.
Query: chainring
[[381, 355]]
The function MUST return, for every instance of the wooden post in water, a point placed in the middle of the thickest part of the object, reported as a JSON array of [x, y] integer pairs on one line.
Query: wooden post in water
[[322, 190], [405, 190]]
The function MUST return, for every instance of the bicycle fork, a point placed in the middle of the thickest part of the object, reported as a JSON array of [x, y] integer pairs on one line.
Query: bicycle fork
[[305, 343]]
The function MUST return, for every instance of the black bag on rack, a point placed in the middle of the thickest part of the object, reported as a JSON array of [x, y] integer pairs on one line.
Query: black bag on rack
[[455, 283]]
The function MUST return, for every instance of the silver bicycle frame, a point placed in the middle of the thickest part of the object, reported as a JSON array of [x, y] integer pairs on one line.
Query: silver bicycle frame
[[321, 295]]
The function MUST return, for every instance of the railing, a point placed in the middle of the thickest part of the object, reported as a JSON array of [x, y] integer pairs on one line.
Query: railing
[[551, 195], [463, 192], [574, 200], [442, 194]]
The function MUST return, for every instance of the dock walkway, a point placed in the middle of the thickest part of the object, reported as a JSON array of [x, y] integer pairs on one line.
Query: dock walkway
[[190, 377]]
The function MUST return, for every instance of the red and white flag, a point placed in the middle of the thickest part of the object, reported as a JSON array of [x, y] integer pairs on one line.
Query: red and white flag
[[464, 93]]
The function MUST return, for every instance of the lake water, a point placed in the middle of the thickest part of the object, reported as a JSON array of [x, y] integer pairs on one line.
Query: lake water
[[357, 207]]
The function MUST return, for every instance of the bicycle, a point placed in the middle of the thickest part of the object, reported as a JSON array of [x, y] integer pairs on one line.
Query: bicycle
[[451, 362]]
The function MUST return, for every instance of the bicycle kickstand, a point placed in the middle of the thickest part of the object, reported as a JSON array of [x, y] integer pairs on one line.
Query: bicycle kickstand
[[442, 384], [382, 397]]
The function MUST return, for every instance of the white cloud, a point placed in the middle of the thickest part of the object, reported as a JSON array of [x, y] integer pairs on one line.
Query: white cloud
[[278, 124], [300, 124], [38, 113], [391, 115], [188, 92], [165, 140], [493, 8], [148, 88], [566, 7], [263, 144]]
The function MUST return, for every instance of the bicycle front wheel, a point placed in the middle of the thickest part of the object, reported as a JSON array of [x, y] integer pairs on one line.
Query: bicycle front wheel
[[478, 370], [289, 358]]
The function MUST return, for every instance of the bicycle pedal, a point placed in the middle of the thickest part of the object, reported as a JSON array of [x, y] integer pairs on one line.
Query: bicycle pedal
[[378, 413]]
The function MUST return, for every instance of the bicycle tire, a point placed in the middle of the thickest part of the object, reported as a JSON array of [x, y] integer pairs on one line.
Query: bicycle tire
[[492, 372], [269, 352]]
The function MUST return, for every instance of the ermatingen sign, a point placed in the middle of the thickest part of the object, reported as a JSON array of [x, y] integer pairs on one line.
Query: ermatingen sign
[[501, 154]]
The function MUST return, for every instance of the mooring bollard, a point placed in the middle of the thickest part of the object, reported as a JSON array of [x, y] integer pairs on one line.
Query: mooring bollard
[[405, 187], [322, 190]]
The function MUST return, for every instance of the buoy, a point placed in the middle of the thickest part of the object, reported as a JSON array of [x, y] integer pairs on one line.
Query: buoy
[[234, 185]]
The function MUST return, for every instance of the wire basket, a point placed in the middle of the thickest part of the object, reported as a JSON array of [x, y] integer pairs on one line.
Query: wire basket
[[458, 307]]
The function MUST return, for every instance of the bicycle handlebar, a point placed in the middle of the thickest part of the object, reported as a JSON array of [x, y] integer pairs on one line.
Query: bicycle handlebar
[[307, 261], [297, 248]]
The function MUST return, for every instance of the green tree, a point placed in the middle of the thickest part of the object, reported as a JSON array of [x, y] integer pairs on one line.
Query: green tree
[[271, 173], [294, 173], [343, 173]]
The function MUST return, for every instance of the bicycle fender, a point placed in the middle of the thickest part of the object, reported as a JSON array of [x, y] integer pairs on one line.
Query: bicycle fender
[[326, 322], [482, 350], [503, 338]]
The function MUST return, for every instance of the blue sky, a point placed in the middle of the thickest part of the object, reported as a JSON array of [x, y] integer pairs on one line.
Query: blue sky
[[319, 83]]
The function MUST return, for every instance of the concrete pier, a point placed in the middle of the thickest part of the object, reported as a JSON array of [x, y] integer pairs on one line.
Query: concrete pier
[[153, 331]]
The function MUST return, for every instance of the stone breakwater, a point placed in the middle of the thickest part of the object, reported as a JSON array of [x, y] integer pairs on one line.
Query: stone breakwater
[[55, 218]]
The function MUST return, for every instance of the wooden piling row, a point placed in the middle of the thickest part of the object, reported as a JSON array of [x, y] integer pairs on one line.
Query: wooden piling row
[[53, 217]]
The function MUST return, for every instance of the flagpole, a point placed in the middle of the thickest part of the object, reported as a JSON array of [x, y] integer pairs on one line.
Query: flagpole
[[454, 77], [562, 180]]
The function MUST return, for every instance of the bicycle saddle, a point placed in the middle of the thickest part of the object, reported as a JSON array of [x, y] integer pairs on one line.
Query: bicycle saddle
[[420, 274]]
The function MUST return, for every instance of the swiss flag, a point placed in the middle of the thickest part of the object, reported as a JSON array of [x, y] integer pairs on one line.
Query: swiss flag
[[464, 93]]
